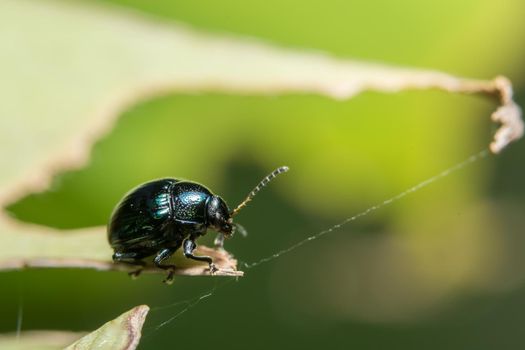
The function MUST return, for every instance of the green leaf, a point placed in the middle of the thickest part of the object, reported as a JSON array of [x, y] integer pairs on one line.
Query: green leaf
[[70, 69], [68, 74], [41, 340]]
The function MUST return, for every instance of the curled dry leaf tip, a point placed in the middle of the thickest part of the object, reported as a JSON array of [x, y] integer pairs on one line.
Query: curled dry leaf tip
[[508, 114]]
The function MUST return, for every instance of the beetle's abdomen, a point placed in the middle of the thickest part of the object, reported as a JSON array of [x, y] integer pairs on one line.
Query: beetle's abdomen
[[142, 217]]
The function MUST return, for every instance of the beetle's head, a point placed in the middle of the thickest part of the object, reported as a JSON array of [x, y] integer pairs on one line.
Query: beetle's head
[[219, 216]]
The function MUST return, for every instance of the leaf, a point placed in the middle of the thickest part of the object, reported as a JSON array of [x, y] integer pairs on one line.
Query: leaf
[[42, 340], [122, 333], [54, 107], [32, 246]]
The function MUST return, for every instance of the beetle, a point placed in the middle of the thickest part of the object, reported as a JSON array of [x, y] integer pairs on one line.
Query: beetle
[[161, 216]]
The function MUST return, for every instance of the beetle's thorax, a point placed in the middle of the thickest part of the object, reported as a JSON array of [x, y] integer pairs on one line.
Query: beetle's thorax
[[218, 215]]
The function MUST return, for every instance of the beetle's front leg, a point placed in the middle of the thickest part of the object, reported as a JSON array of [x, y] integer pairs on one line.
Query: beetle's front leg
[[219, 240], [189, 246]]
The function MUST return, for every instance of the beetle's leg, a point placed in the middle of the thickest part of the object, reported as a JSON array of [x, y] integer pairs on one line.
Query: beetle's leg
[[189, 246], [219, 240], [162, 255], [130, 258]]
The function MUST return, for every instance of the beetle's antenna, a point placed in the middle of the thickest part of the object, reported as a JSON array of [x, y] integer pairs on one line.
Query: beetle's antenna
[[259, 187]]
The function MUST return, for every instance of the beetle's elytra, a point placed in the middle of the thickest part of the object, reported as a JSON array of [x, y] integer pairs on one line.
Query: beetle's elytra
[[158, 217]]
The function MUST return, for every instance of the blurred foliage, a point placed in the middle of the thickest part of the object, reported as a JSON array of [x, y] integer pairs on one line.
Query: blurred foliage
[[415, 275]]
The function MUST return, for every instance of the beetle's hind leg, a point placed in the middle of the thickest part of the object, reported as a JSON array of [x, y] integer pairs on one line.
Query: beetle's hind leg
[[162, 255], [130, 258]]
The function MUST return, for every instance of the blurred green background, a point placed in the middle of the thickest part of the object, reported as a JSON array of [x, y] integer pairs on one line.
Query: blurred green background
[[443, 268]]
